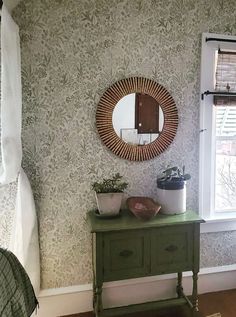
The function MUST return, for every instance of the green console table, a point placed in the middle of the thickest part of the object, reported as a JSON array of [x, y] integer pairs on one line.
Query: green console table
[[126, 247]]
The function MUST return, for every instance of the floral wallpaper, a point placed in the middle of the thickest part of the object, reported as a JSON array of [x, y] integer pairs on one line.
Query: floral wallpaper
[[71, 52]]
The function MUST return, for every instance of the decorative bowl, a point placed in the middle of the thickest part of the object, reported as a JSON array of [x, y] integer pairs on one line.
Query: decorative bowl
[[144, 208]]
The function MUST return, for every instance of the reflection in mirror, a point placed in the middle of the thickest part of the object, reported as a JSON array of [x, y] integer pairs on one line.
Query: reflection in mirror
[[138, 119]]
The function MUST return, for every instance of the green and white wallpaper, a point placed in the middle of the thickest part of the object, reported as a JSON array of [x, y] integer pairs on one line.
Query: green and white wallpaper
[[71, 52]]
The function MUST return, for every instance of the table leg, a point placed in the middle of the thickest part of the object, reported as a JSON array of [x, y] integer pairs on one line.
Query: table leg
[[94, 296], [98, 300], [179, 288], [194, 293]]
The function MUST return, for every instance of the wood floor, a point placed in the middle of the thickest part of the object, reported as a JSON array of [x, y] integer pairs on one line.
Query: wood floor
[[220, 302]]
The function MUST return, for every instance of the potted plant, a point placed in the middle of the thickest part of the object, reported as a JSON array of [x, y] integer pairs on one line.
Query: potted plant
[[171, 190], [109, 193]]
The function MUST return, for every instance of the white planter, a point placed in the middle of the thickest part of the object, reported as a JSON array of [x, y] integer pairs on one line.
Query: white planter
[[109, 203], [172, 201]]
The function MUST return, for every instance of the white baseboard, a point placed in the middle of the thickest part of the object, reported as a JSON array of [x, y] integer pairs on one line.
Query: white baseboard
[[77, 299]]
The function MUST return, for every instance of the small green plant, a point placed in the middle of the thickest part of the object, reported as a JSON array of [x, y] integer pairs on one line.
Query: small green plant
[[173, 174], [110, 185]]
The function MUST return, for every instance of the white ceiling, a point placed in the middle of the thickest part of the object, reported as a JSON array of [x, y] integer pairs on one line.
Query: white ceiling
[[11, 4]]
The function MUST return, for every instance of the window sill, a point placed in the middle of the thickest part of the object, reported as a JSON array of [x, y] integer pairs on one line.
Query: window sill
[[218, 224]]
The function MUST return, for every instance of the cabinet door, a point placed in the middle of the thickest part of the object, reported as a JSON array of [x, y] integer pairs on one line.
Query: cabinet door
[[126, 254], [172, 249]]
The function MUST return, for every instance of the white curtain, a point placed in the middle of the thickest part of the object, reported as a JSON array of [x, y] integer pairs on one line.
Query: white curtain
[[24, 238]]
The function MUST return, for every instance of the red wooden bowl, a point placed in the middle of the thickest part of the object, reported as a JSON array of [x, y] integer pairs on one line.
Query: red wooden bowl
[[144, 208]]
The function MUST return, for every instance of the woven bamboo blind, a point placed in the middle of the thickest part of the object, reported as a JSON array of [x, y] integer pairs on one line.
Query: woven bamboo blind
[[225, 78]]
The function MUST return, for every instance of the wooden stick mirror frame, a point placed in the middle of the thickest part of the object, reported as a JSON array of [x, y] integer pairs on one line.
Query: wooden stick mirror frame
[[107, 104]]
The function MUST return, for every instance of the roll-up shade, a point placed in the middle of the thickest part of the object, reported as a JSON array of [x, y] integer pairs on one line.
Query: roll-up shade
[[225, 78], [224, 100], [226, 72]]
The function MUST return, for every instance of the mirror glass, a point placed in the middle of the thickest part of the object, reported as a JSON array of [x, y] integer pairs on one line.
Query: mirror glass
[[138, 119]]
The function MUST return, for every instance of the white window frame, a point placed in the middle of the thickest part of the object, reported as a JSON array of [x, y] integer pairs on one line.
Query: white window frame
[[226, 220]]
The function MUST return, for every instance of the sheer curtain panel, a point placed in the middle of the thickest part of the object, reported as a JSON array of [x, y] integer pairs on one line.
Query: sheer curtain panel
[[24, 237]]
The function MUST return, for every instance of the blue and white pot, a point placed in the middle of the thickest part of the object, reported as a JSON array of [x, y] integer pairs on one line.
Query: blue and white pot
[[171, 195]]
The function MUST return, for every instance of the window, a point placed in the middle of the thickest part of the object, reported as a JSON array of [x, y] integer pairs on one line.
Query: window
[[217, 186]]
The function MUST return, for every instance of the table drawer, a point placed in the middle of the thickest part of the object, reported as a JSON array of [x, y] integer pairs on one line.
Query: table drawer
[[172, 249], [126, 255]]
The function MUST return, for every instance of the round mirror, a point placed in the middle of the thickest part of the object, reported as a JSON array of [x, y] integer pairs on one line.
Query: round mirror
[[137, 118]]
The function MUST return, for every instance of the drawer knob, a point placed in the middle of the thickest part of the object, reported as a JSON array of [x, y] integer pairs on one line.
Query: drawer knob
[[171, 248], [126, 253]]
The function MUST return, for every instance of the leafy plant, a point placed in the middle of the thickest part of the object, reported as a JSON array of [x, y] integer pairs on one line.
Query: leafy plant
[[110, 185], [173, 174]]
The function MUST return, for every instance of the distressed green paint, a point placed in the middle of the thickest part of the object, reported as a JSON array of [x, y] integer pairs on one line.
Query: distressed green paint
[[129, 248], [172, 248], [126, 255], [129, 221]]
